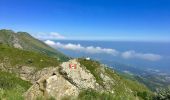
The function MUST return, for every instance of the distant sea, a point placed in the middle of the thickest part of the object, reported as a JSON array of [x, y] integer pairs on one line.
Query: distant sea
[[160, 48]]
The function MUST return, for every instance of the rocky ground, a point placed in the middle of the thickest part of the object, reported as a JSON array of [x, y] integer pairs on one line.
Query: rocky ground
[[62, 81], [58, 81]]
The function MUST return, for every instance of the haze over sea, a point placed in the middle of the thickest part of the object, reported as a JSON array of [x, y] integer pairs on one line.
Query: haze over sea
[[154, 55]]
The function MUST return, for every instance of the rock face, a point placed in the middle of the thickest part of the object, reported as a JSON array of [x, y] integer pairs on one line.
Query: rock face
[[58, 87], [26, 73], [16, 42], [68, 79], [61, 81], [78, 76], [107, 82], [51, 84]]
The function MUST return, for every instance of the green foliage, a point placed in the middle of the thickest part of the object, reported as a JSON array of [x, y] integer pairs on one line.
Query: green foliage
[[94, 95], [144, 95], [33, 44], [16, 57], [45, 98], [124, 88], [162, 94], [127, 76], [12, 87], [139, 89], [129, 81], [153, 81], [10, 81], [93, 67]]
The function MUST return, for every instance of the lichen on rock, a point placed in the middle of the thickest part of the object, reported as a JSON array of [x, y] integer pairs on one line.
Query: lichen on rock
[[51, 85], [80, 76]]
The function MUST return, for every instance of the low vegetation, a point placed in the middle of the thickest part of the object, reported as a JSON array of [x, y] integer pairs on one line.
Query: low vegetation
[[121, 83], [12, 87], [94, 95], [16, 57], [162, 94], [29, 43], [93, 67]]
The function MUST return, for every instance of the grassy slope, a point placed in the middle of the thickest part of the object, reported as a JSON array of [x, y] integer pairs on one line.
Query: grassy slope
[[30, 43], [6, 36], [16, 57], [11, 87], [152, 82], [122, 83]]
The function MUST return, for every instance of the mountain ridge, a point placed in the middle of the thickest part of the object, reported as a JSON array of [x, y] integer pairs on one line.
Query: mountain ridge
[[25, 41], [48, 77]]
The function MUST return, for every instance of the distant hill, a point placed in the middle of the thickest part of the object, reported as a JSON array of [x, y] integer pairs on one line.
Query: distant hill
[[25, 41], [151, 78]]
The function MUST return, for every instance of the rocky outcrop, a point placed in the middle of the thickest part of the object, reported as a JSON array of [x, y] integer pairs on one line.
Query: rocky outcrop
[[52, 84], [78, 76], [26, 73], [58, 87], [66, 80], [61, 81], [16, 42]]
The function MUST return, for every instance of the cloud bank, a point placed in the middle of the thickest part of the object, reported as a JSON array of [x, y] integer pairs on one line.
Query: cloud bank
[[78, 47], [97, 50], [50, 36], [49, 42], [145, 56]]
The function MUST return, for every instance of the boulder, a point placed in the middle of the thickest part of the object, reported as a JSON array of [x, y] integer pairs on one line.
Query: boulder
[[78, 76], [51, 84]]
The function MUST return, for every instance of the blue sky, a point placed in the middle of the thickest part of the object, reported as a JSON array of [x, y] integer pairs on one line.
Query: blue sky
[[146, 20]]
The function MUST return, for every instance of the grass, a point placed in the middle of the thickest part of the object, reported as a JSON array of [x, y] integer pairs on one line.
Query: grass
[[36, 45], [30, 43], [93, 67], [12, 87], [122, 85], [138, 89], [16, 57], [94, 95]]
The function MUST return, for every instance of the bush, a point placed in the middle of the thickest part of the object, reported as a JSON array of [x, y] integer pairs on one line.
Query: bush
[[94, 95], [162, 94], [12, 87]]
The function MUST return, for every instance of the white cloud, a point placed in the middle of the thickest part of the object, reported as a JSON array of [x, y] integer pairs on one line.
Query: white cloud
[[97, 50], [52, 35], [69, 46], [78, 47], [145, 56], [92, 49], [49, 42]]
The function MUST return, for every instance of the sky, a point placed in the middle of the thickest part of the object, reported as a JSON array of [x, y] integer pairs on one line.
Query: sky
[[134, 20]]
